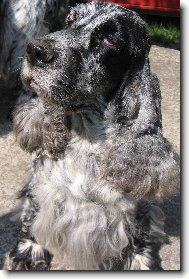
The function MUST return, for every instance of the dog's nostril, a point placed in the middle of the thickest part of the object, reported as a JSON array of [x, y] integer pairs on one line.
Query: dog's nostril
[[34, 49], [39, 52], [29, 48]]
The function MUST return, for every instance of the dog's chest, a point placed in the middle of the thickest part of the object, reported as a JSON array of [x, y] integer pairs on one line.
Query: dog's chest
[[76, 173], [83, 165], [74, 201]]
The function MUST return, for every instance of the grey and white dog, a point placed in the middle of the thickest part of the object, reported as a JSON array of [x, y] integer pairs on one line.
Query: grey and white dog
[[20, 22], [94, 127]]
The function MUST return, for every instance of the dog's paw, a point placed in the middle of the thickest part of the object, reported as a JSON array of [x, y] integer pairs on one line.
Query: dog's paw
[[28, 255]]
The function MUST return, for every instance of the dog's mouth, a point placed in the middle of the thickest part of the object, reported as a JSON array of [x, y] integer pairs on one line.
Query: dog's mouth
[[28, 80], [31, 84], [35, 87]]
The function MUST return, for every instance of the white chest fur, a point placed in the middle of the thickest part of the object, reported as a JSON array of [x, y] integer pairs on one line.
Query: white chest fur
[[81, 218]]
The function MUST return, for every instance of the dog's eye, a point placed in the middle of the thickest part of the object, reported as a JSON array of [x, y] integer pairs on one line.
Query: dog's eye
[[103, 41], [107, 41]]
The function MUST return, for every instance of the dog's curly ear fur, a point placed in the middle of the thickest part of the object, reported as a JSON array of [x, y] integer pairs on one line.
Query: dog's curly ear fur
[[145, 165], [27, 124], [40, 129]]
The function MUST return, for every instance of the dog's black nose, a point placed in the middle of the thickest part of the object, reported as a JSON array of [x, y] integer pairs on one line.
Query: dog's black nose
[[39, 51]]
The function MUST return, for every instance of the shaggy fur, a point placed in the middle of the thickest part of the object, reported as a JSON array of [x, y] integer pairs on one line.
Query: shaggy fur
[[94, 127], [20, 22]]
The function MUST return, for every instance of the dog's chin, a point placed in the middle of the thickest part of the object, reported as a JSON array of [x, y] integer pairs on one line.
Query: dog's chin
[[32, 85], [36, 88]]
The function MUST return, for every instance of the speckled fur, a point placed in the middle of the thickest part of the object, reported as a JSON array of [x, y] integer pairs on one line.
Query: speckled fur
[[20, 22], [91, 194]]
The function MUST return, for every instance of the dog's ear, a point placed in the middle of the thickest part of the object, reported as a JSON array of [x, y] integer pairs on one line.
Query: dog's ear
[[137, 101], [143, 113], [137, 39], [38, 129], [144, 164], [27, 124]]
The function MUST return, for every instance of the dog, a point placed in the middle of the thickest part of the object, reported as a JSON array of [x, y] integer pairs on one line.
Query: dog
[[93, 124]]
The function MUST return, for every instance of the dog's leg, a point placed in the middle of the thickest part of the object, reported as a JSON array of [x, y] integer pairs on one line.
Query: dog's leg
[[144, 254], [27, 254], [145, 258]]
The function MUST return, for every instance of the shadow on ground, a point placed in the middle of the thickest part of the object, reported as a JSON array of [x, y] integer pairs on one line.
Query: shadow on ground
[[172, 211], [9, 232], [7, 101]]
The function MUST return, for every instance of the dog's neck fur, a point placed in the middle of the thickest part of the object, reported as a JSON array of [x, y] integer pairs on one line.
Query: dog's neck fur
[[88, 125]]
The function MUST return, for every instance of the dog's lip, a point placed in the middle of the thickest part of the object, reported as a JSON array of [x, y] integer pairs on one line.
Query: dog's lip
[[36, 87], [32, 85]]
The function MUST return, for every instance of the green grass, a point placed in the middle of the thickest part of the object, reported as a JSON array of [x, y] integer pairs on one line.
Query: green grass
[[164, 31], [168, 36]]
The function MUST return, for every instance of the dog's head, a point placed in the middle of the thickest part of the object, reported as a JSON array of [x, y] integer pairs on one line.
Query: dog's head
[[89, 59]]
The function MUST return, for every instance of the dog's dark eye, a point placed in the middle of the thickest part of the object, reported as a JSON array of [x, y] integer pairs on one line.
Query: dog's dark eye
[[104, 40], [104, 35], [108, 41]]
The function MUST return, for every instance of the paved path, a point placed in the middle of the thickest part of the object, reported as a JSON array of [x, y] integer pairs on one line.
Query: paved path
[[15, 164], [166, 64]]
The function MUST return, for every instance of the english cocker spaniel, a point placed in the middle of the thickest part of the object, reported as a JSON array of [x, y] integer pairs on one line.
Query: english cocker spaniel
[[93, 124]]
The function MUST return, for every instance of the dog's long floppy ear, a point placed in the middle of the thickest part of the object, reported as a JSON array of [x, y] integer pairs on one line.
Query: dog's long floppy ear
[[144, 164], [137, 38], [137, 101], [40, 129]]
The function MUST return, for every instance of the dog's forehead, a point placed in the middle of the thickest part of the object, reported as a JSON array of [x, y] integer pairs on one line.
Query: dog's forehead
[[94, 14], [84, 18]]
